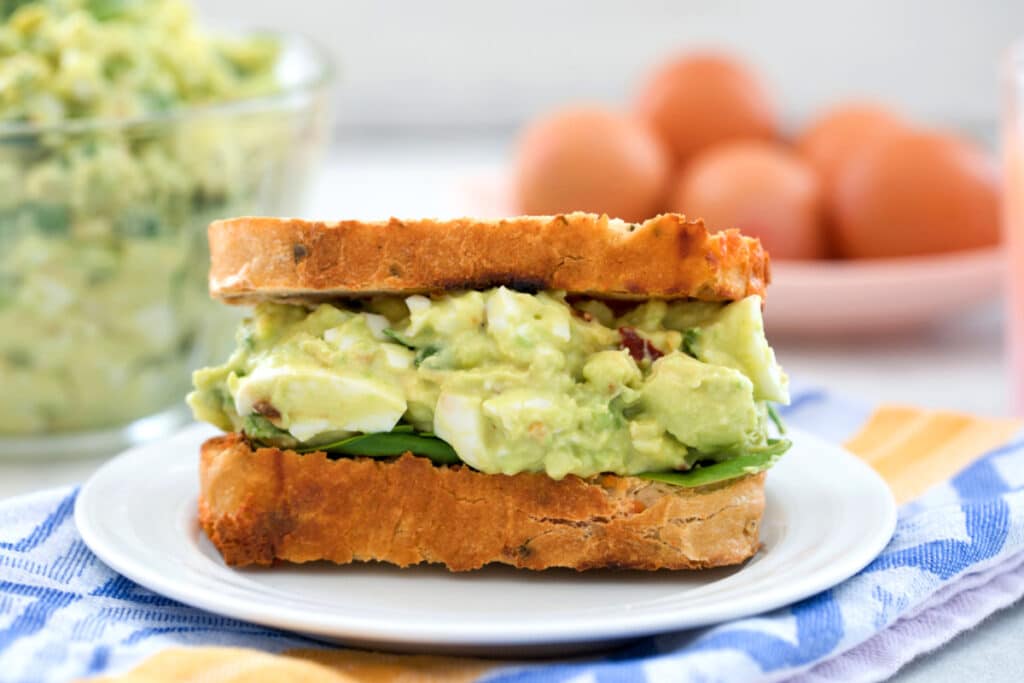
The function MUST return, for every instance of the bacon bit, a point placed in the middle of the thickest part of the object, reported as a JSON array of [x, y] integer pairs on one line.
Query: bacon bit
[[587, 316], [638, 347], [266, 410]]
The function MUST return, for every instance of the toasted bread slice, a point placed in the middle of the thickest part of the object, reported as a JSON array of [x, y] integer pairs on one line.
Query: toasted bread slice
[[259, 506], [667, 257]]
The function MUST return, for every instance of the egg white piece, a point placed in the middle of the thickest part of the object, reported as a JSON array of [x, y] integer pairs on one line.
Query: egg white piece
[[316, 400], [459, 420]]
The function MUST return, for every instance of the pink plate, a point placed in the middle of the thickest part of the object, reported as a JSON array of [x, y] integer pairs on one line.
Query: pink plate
[[836, 297], [883, 295]]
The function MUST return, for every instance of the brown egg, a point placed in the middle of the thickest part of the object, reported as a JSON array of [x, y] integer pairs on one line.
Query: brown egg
[[704, 99], [764, 189], [842, 132], [916, 192], [590, 159]]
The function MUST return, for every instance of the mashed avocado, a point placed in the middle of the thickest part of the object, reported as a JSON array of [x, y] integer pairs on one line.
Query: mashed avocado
[[513, 382], [102, 251]]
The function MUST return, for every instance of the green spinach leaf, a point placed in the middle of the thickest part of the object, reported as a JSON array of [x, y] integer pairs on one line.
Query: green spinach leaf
[[425, 353], [396, 442], [773, 415], [398, 338], [690, 338], [260, 428], [751, 462]]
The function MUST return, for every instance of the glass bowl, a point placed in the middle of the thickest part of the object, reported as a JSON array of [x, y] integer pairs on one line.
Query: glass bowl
[[104, 308]]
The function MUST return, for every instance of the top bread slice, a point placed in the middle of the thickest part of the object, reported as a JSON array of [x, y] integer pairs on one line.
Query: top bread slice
[[666, 257]]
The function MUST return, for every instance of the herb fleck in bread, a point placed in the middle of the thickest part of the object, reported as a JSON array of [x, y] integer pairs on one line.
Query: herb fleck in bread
[[669, 257], [263, 505]]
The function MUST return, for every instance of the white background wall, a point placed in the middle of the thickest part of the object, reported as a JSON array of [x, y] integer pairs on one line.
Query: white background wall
[[492, 64]]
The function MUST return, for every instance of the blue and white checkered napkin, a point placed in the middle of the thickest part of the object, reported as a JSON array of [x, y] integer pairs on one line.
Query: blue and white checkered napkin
[[957, 556]]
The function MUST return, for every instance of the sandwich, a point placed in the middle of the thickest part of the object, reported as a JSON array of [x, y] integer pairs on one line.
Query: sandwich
[[564, 391]]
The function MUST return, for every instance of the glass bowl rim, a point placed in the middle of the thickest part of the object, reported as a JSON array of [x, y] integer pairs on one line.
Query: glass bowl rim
[[322, 74]]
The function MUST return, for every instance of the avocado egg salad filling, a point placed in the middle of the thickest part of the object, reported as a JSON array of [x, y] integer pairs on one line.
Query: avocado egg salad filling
[[508, 382]]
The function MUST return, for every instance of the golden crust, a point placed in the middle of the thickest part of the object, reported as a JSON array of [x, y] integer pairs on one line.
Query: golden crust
[[260, 506], [667, 256]]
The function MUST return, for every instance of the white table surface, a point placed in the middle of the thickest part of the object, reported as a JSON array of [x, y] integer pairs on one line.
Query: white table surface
[[958, 366]]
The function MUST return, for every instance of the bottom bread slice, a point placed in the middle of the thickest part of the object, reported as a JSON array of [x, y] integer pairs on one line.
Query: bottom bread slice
[[265, 505]]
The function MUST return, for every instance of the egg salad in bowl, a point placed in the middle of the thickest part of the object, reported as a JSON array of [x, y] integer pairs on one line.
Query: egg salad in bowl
[[125, 128]]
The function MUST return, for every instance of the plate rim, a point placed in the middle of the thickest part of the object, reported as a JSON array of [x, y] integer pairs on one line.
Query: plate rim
[[991, 256], [469, 633]]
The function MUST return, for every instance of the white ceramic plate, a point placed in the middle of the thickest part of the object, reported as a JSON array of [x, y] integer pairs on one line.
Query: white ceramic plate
[[828, 514]]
